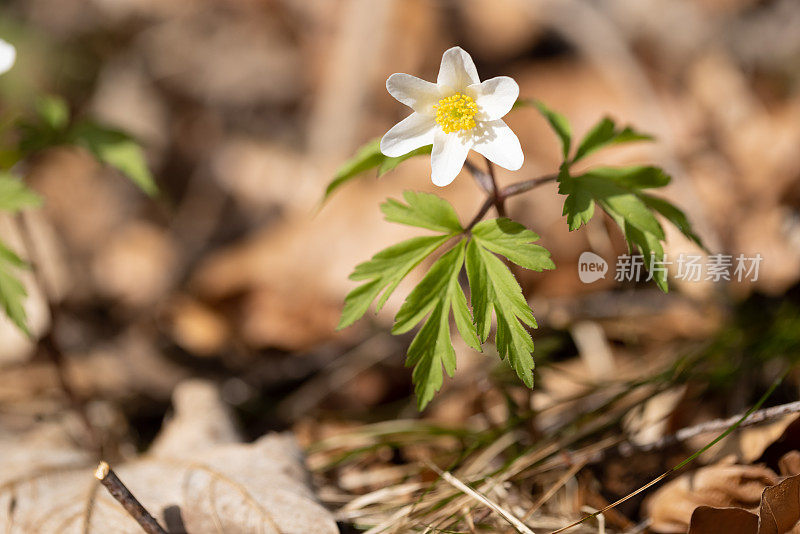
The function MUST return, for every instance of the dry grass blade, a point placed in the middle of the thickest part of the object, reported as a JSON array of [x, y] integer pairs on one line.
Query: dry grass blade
[[508, 516]]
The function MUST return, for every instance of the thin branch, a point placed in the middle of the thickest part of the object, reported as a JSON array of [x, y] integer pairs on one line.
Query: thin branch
[[508, 191], [483, 180], [716, 425], [123, 495], [499, 199], [478, 216], [526, 185]]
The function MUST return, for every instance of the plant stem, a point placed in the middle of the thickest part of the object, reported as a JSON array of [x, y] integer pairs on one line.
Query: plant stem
[[481, 212], [123, 495], [497, 197], [483, 180]]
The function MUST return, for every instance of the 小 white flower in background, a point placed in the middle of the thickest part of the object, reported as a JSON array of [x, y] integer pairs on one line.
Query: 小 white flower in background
[[456, 114], [8, 54]]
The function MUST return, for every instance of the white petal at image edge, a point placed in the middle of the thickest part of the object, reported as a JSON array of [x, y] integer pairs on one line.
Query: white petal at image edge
[[500, 145], [8, 54], [448, 156], [457, 70], [414, 131]]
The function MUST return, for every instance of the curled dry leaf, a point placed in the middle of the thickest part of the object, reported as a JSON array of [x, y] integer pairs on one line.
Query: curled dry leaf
[[203, 483], [779, 513], [720, 485], [707, 520]]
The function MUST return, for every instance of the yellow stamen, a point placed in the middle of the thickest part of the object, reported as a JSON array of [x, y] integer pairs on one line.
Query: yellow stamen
[[456, 113]]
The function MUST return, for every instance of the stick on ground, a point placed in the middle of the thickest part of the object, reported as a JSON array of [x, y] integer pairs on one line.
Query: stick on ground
[[123, 495]]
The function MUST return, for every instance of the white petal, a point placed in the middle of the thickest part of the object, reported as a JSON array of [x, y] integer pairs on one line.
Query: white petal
[[414, 131], [417, 94], [496, 141], [448, 156], [8, 54], [457, 70], [495, 97]]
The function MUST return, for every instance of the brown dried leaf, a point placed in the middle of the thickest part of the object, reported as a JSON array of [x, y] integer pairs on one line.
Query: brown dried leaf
[[707, 520], [195, 479], [721, 485], [780, 508]]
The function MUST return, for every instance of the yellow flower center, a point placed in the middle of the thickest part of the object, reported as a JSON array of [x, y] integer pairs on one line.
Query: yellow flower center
[[456, 113]]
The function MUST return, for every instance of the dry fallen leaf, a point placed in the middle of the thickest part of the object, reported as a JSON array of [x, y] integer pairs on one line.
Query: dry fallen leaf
[[779, 513], [720, 485], [195, 479], [708, 520]]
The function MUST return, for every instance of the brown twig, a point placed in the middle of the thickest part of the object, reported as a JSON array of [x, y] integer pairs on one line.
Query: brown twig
[[526, 185], [708, 427], [123, 495], [480, 176], [497, 197], [481, 212]]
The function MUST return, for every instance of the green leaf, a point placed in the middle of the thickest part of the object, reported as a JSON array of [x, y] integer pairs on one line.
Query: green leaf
[[369, 156], [384, 272], [634, 177], [53, 112], [432, 348], [605, 133], [579, 204], [424, 210], [389, 164], [612, 196], [619, 192], [118, 150], [12, 291], [512, 240], [673, 215], [494, 288], [15, 195], [558, 122]]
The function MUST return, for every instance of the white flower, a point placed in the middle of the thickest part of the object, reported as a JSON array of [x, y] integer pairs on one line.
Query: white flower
[[456, 114], [8, 54]]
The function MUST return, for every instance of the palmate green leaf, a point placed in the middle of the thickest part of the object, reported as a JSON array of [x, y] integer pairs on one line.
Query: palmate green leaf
[[605, 133], [512, 240], [385, 271], [369, 156], [115, 149], [12, 291], [388, 268], [619, 192], [673, 215], [424, 210], [15, 195], [582, 191], [494, 288], [648, 245], [436, 295]]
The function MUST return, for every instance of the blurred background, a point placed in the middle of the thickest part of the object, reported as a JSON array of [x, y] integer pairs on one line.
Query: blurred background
[[236, 275]]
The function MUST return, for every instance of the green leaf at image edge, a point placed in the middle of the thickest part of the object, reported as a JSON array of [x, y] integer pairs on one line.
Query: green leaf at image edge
[[369, 156], [15, 195], [115, 149], [605, 133], [12, 291]]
